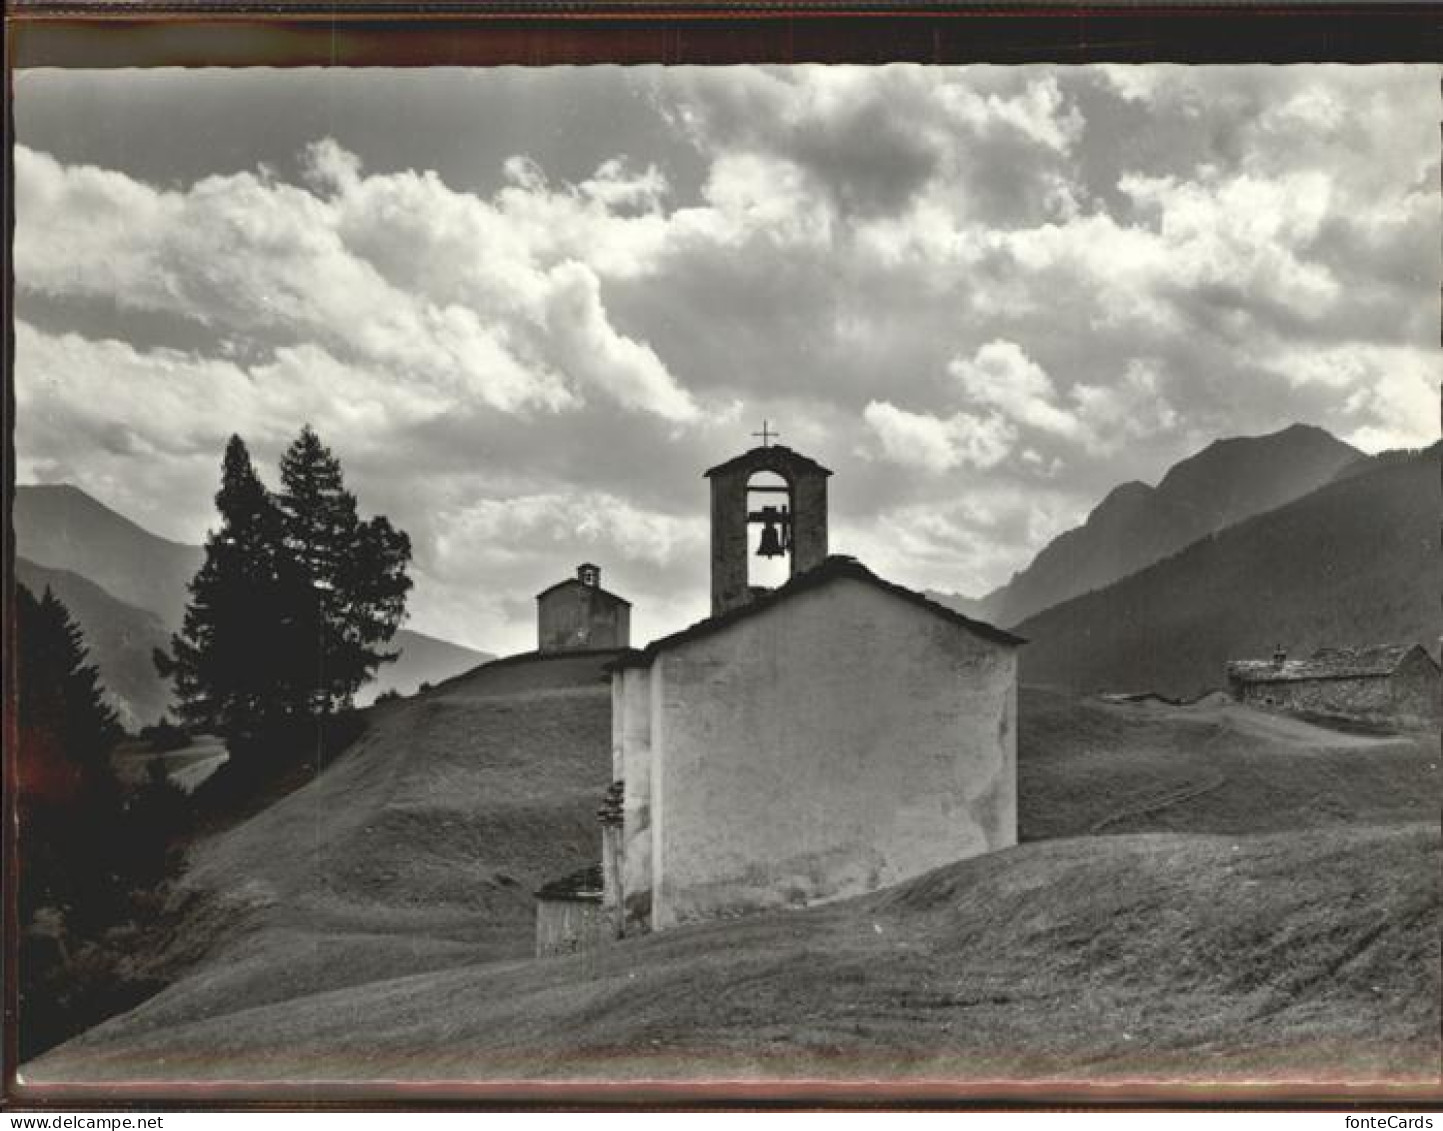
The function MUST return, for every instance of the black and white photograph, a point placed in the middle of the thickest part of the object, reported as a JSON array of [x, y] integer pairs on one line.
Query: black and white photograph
[[739, 577]]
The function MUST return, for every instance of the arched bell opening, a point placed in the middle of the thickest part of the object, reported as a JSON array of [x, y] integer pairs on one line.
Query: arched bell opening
[[769, 530]]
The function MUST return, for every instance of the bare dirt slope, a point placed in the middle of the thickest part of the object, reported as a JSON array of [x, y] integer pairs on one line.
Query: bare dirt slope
[[376, 924]]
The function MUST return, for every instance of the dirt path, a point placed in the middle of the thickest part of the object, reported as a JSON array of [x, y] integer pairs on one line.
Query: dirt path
[[187, 767], [1157, 805], [1248, 720]]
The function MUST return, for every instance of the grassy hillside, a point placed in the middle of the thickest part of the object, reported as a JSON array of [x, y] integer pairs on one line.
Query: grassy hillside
[[1228, 481], [418, 849], [1163, 955], [1355, 562], [120, 637], [1087, 767], [378, 922]]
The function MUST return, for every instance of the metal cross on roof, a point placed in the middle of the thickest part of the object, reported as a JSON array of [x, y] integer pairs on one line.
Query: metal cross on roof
[[767, 435]]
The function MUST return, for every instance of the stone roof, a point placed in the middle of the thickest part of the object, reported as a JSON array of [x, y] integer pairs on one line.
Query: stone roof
[[1326, 663], [765, 458], [583, 885], [583, 585], [831, 569]]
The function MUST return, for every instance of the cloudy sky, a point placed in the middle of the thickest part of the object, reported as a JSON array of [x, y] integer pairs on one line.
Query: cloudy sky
[[528, 307]]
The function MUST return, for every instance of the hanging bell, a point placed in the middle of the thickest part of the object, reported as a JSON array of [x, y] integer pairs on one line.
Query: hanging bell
[[770, 545]]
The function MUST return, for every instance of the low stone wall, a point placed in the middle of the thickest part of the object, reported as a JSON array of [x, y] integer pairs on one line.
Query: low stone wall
[[1365, 699]]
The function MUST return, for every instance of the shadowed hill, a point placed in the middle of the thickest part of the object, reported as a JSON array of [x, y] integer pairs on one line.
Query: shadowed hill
[[1135, 525], [1355, 562], [354, 929]]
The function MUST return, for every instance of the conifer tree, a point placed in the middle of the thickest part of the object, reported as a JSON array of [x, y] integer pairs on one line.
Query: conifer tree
[[238, 662], [94, 858], [68, 793], [356, 571]]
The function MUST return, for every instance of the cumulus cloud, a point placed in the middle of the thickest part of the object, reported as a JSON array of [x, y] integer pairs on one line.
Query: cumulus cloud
[[337, 264], [983, 295], [589, 347], [1002, 377], [931, 443], [870, 141], [1012, 408], [1390, 395]]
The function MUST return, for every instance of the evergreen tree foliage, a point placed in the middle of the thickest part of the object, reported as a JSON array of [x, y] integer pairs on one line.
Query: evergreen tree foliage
[[67, 728], [291, 610], [68, 794], [355, 569], [239, 662], [94, 857]]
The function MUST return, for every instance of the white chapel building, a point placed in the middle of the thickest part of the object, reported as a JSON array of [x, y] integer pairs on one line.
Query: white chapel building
[[821, 739]]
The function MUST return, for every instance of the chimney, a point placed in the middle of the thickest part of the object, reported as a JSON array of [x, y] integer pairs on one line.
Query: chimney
[[588, 574]]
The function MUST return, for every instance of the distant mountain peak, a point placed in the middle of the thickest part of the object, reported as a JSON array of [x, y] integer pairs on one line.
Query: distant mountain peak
[[1345, 565], [1229, 480], [1128, 494], [81, 503]]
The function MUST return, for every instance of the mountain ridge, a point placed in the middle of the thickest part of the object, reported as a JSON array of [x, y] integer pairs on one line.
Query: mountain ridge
[[62, 527], [1352, 562], [1134, 525]]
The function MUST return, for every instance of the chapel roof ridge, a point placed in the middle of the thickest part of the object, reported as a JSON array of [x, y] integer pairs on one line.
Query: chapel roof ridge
[[833, 567]]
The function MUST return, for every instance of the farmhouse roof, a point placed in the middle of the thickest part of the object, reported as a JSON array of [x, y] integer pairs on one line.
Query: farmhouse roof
[[583, 885], [831, 569], [594, 588], [1326, 663]]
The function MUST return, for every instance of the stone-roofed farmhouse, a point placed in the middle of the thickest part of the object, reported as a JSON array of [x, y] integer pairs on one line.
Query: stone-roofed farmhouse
[[579, 615], [1386, 684], [820, 739]]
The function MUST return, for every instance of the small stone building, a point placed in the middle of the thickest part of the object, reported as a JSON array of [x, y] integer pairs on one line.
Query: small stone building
[[811, 740], [579, 615], [1384, 685]]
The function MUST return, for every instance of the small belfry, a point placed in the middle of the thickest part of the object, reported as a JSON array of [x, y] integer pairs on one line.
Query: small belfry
[[780, 495]]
